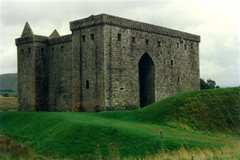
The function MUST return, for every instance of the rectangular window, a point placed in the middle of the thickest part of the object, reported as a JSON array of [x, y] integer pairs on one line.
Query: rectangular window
[[133, 39], [119, 37], [191, 45], [22, 50], [159, 44], [92, 37], [61, 47], [29, 50], [52, 48], [185, 46], [177, 45], [146, 41], [87, 84], [83, 38], [171, 62], [178, 79], [42, 49]]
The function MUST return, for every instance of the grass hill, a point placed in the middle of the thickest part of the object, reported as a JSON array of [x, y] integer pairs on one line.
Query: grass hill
[[214, 110], [192, 121], [8, 83]]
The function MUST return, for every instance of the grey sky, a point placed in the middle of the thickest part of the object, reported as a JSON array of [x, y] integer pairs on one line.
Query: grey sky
[[217, 22]]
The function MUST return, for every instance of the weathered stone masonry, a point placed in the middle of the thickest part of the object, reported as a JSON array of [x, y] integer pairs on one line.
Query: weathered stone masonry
[[107, 63]]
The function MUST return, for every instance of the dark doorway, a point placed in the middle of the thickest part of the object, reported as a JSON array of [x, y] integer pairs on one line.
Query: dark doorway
[[146, 80]]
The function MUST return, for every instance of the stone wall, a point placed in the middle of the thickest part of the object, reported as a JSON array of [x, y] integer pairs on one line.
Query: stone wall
[[41, 77], [89, 67], [60, 73], [175, 60], [26, 78]]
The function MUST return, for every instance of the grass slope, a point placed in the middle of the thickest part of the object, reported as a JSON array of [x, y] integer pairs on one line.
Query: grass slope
[[133, 133], [215, 110]]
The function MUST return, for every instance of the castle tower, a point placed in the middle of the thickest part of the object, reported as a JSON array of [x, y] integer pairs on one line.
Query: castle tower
[[32, 72]]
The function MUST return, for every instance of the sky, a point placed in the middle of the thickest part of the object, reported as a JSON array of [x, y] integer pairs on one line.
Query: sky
[[216, 21]]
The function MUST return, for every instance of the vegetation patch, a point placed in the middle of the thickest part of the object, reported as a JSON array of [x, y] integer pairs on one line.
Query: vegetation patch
[[190, 124], [215, 110], [8, 104]]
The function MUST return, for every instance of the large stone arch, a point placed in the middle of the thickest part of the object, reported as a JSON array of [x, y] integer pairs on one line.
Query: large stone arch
[[146, 71]]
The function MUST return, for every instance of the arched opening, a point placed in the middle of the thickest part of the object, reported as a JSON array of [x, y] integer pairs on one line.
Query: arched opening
[[146, 80]]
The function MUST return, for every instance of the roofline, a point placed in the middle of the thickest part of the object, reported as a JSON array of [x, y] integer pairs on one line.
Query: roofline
[[43, 39], [104, 19]]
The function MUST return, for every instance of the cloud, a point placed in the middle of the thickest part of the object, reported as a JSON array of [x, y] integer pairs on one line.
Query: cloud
[[217, 22]]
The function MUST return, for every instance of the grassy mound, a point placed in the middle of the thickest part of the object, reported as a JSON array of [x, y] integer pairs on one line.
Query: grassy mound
[[130, 133], [83, 134], [215, 110]]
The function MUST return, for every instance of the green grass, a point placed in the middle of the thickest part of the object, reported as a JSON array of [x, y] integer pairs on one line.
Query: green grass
[[186, 120], [215, 110]]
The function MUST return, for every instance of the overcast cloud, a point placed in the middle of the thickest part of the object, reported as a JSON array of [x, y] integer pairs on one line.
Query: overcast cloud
[[217, 22]]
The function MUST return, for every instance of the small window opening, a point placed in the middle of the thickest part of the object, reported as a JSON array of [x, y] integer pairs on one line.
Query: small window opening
[[171, 62], [133, 39], [29, 50], [121, 88], [92, 37], [42, 49], [177, 45], [22, 50], [83, 38], [159, 44], [146, 41], [52, 48], [61, 47], [87, 84], [178, 79], [170, 46], [119, 37], [185, 46], [191, 45], [164, 61]]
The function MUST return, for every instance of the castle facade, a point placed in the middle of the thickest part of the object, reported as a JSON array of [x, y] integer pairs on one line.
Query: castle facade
[[106, 63]]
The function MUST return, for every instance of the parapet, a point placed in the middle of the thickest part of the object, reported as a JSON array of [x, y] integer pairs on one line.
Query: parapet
[[61, 39], [104, 19], [31, 39]]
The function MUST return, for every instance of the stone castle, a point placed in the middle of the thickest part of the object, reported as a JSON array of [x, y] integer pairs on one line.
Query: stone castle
[[106, 63]]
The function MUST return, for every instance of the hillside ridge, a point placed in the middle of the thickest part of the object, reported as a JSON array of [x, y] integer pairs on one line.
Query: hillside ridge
[[8, 81]]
